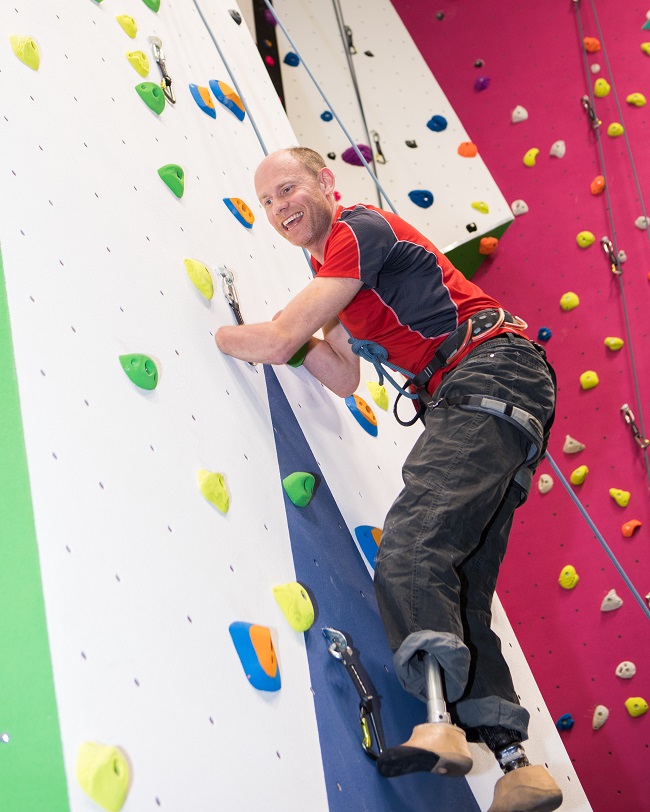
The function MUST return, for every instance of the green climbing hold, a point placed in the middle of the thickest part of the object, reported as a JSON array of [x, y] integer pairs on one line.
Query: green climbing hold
[[200, 276], [298, 357], [152, 95], [103, 774], [154, 5], [174, 177], [299, 487], [141, 370], [213, 487]]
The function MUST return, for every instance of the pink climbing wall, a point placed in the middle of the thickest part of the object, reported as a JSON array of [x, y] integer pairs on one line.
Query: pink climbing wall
[[532, 55]]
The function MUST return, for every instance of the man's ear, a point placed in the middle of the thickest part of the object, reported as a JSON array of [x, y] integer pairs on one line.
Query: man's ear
[[326, 179]]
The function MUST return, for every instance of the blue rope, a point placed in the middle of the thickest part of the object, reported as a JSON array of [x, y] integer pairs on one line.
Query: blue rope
[[378, 356]]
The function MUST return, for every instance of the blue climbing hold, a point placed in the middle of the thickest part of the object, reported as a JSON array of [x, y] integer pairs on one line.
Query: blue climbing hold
[[543, 334], [326, 116], [565, 722], [437, 124], [291, 59], [201, 96], [421, 197]]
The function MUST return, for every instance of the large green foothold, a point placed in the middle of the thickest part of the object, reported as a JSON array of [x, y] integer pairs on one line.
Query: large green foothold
[[174, 177], [299, 487], [200, 276], [298, 357], [296, 605], [141, 369], [152, 95], [213, 487], [103, 774], [154, 5]]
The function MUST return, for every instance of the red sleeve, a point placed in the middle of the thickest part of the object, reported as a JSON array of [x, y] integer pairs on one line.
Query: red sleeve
[[341, 258]]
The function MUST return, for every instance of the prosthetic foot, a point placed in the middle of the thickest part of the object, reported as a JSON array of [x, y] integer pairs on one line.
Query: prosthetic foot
[[436, 747]]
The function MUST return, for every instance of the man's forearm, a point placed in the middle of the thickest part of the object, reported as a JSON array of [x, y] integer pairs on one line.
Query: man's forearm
[[338, 373], [259, 343]]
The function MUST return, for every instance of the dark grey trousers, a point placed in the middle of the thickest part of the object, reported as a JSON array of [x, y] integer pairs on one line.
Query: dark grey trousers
[[445, 536]]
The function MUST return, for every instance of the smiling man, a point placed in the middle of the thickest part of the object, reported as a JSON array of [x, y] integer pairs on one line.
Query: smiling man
[[488, 400]]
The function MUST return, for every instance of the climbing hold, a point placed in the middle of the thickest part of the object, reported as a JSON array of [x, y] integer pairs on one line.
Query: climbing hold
[[202, 97], [241, 211], [227, 96], [646, 25], [362, 413], [141, 369], [592, 45], [440, 15], [368, 53], [154, 5], [213, 486], [174, 177], [127, 24], [298, 358], [595, 68], [615, 129], [269, 18], [296, 605], [519, 114], [572, 446], [621, 498], [544, 334], [326, 115], [200, 277], [629, 528], [597, 185], [636, 99], [530, 157], [519, 207], [601, 715], [411, 144], [256, 653], [636, 706], [138, 60], [487, 246], [437, 124], [479, 205], [103, 774], [565, 722], [337, 195], [369, 539], [579, 475], [471, 227], [421, 197], [568, 577], [291, 59], [569, 301], [152, 95], [350, 156], [622, 256], [235, 15], [625, 670], [589, 379], [482, 83], [558, 149], [545, 483], [378, 393], [614, 343], [478, 63], [601, 88], [26, 50], [331, 156], [611, 602], [467, 149], [585, 239], [642, 223], [645, 47], [299, 487]]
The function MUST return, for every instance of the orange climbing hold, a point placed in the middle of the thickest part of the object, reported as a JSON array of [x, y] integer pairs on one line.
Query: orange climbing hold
[[592, 45], [597, 185], [488, 245], [468, 150], [629, 528]]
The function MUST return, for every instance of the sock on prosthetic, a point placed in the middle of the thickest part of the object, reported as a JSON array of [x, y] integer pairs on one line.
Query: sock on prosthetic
[[506, 746]]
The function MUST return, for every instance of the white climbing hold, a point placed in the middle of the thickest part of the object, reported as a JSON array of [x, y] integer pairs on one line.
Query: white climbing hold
[[519, 207], [622, 256], [601, 715], [611, 601], [642, 223], [595, 68], [558, 149], [625, 670], [545, 483], [572, 446], [519, 114]]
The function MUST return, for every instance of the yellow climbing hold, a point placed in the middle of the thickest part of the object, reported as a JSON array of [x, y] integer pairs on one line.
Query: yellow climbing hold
[[615, 129], [379, 394], [636, 706], [127, 24], [200, 277], [589, 379], [579, 475], [614, 343], [621, 498], [531, 156], [296, 605], [213, 487], [601, 88], [569, 300], [637, 99], [585, 239], [645, 47], [139, 61], [26, 50], [103, 774], [479, 205], [568, 577]]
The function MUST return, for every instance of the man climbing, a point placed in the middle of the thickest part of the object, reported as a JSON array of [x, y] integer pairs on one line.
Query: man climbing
[[489, 398]]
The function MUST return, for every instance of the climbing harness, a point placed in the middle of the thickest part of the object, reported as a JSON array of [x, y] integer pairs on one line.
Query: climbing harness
[[159, 56], [372, 740]]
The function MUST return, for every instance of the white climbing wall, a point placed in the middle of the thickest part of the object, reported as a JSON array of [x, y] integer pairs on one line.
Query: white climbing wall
[[141, 575]]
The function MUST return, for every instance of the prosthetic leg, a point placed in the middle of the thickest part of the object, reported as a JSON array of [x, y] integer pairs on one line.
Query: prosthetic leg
[[438, 746]]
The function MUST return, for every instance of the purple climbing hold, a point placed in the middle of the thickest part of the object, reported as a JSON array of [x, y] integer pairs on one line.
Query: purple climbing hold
[[291, 59], [482, 83], [326, 115], [437, 124], [421, 197], [350, 156], [269, 18]]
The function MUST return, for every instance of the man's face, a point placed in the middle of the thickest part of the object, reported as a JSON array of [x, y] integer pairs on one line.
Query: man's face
[[296, 202]]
